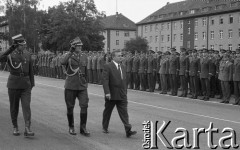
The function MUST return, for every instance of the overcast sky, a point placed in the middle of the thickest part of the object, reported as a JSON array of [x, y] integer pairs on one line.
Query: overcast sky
[[135, 10]]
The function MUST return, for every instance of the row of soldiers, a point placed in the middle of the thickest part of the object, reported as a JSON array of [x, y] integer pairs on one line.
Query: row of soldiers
[[202, 73]]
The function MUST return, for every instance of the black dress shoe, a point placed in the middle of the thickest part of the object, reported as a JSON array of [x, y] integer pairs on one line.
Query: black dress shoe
[[16, 132], [223, 101], [84, 132], [226, 102], [130, 133], [105, 131], [28, 132], [72, 131]]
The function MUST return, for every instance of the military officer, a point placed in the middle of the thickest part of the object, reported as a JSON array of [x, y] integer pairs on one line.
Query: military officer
[[236, 77], [173, 71], [226, 75], [89, 67], [212, 73], [141, 71], [20, 82], [157, 70], [135, 68], [164, 71], [76, 85], [183, 72], [129, 71]]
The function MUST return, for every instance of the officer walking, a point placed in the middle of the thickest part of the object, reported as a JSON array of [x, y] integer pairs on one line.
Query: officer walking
[[76, 85], [20, 82]]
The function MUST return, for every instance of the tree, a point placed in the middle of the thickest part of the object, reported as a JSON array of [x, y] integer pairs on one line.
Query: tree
[[138, 44]]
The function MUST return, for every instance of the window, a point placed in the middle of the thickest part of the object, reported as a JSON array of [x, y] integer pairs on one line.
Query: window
[[162, 26], [168, 38], [220, 46], [181, 24], [162, 38], [189, 21], [156, 39], [174, 37], [196, 23], [188, 44], [230, 19], [230, 46], [156, 27], [168, 26], [117, 42], [126, 33], [175, 25], [212, 21], [230, 33], [150, 39], [195, 36], [156, 49], [145, 29], [192, 11], [220, 20], [204, 35], [195, 47], [212, 35], [221, 34], [189, 30], [238, 45], [117, 33], [125, 43], [204, 21], [211, 46], [203, 46], [181, 37]]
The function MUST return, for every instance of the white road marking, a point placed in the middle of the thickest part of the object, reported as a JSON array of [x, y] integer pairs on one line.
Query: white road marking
[[168, 109]]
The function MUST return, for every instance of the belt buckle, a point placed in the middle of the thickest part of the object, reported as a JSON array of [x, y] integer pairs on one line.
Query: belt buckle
[[21, 74]]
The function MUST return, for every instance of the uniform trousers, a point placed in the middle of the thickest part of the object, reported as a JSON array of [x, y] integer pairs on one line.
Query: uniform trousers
[[99, 72], [163, 78], [226, 91], [90, 76], [212, 86], [136, 80], [129, 80], [143, 81], [194, 81], [150, 81], [122, 111], [205, 87], [174, 83], [184, 85], [236, 89], [15, 95], [94, 72]]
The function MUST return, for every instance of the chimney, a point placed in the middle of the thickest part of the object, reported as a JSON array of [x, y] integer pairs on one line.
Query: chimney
[[168, 3]]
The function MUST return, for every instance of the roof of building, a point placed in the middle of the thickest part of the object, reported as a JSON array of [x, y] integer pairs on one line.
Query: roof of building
[[119, 22], [190, 8]]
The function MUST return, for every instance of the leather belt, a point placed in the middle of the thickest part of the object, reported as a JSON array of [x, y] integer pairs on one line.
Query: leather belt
[[20, 74]]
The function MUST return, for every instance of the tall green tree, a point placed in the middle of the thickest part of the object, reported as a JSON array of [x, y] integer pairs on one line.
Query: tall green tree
[[138, 44]]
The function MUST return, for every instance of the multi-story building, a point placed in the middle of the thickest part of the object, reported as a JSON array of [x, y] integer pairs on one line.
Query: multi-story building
[[118, 29], [4, 28], [211, 24]]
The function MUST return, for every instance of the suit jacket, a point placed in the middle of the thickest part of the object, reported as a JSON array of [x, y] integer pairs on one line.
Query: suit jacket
[[236, 70], [112, 82], [75, 82], [17, 82]]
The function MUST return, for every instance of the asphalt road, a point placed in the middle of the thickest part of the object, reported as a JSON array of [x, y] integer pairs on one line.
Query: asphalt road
[[49, 121]]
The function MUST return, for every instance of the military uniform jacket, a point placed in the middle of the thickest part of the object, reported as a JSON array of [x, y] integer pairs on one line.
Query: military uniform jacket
[[194, 66], [142, 65], [15, 59], [204, 67], [150, 64], [78, 80], [225, 71], [158, 64], [89, 63], [135, 65], [129, 64], [173, 64], [164, 66], [236, 70], [184, 65], [98, 62], [94, 63], [212, 66]]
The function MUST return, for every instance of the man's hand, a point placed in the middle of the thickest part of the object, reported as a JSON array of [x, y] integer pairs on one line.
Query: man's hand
[[108, 96]]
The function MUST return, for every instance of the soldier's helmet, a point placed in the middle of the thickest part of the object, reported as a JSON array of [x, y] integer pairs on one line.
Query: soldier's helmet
[[19, 39], [76, 42]]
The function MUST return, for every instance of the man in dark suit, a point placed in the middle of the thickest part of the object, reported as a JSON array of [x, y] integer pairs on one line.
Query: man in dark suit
[[76, 85], [20, 82], [115, 89]]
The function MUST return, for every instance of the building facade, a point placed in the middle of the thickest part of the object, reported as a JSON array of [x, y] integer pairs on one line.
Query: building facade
[[193, 24], [4, 28], [117, 31]]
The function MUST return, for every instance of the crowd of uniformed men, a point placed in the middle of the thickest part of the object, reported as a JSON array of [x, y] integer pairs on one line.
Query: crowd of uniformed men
[[199, 74]]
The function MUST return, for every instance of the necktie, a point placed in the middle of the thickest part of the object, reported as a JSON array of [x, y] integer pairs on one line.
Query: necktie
[[119, 69]]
